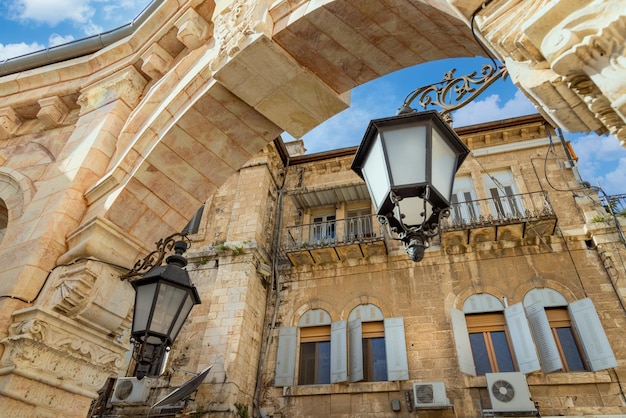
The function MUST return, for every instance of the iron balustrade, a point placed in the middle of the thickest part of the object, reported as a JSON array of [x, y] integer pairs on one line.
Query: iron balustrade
[[333, 232], [503, 209]]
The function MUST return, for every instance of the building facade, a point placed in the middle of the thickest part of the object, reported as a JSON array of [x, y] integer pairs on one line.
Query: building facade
[[311, 310], [110, 143]]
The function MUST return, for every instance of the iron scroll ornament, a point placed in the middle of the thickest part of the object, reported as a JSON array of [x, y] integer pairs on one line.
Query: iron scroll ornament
[[452, 93], [155, 258]]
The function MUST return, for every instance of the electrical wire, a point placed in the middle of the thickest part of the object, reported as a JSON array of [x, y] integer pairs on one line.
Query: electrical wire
[[476, 38]]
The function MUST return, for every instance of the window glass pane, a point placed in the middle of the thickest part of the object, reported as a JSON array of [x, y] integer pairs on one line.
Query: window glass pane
[[314, 363], [570, 349], [479, 351], [374, 360], [379, 360], [306, 372], [503, 353], [323, 362]]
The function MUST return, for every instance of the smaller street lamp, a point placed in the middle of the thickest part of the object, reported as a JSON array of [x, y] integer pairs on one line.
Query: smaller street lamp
[[408, 163], [163, 300]]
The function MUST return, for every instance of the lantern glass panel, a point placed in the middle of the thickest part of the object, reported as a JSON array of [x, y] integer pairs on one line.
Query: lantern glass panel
[[375, 173], [413, 210], [168, 301], [406, 153], [443, 165], [184, 312], [144, 297]]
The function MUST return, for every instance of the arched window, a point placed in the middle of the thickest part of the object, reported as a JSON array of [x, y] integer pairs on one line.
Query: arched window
[[569, 337], [366, 347], [492, 338], [377, 346], [314, 362]]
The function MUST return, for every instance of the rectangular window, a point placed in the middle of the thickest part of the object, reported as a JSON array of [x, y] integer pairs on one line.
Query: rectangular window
[[359, 224], [505, 202], [566, 341], [490, 343], [323, 229], [314, 365], [374, 353], [463, 206]]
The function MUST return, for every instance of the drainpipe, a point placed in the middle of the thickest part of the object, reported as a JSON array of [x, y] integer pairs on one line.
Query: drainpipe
[[275, 284], [77, 48]]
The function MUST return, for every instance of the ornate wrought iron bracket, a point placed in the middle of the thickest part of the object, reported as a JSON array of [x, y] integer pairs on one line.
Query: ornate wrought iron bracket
[[155, 258], [452, 92]]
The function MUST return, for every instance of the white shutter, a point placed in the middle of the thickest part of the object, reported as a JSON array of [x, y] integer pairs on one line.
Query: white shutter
[[527, 360], [462, 342], [395, 346], [591, 334], [338, 352], [286, 356], [355, 347], [548, 352]]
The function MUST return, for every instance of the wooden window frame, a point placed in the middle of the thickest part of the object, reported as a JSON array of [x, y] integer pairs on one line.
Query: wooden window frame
[[485, 324], [559, 318], [317, 334]]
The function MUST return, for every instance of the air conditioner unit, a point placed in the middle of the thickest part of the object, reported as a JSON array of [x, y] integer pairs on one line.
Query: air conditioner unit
[[430, 395], [509, 393], [131, 390]]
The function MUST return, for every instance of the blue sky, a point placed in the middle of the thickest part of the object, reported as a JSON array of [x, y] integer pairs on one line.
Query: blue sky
[[33, 25]]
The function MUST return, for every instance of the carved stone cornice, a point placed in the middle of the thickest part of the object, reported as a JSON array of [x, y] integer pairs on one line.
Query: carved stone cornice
[[569, 57], [53, 350]]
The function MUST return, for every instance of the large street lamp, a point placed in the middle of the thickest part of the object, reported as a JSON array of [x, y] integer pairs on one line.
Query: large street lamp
[[409, 161], [163, 300]]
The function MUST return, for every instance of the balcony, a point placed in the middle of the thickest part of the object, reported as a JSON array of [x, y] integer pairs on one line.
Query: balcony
[[510, 217], [331, 241]]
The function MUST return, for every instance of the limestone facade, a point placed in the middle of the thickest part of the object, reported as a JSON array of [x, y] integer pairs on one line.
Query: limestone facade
[[104, 151], [268, 258]]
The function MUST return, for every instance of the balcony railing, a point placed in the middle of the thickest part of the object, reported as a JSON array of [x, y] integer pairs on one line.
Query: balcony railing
[[332, 233], [499, 210]]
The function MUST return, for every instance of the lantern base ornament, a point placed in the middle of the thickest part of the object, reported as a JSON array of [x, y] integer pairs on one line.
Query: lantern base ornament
[[415, 238]]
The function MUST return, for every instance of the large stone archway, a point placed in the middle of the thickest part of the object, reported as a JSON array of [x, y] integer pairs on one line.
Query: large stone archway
[[133, 138]]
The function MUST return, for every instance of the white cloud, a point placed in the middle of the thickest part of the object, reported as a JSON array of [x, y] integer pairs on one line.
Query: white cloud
[[370, 101], [490, 109], [601, 161], [51, 12], [15, 50], [56, 39]]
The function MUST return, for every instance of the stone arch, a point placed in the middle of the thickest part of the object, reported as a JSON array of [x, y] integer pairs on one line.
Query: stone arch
[[229, 97]]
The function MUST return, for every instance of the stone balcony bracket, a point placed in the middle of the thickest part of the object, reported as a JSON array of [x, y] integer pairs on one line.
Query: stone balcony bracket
[[156, 61], [52, 111], [9, 122]]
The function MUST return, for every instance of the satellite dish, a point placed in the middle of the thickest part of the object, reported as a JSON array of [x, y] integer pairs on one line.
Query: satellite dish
[[184, 390]]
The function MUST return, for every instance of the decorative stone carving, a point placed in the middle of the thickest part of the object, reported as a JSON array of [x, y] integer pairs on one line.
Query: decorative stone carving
[[9, 122], [568, 56], [52, 111], [92, 293], [55, 354], [127, 85], [232, 27], [193, 30]]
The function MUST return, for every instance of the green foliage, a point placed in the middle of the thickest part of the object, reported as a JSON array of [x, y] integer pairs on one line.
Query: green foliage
[[237, 251], [200, 411], [242, 410]]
